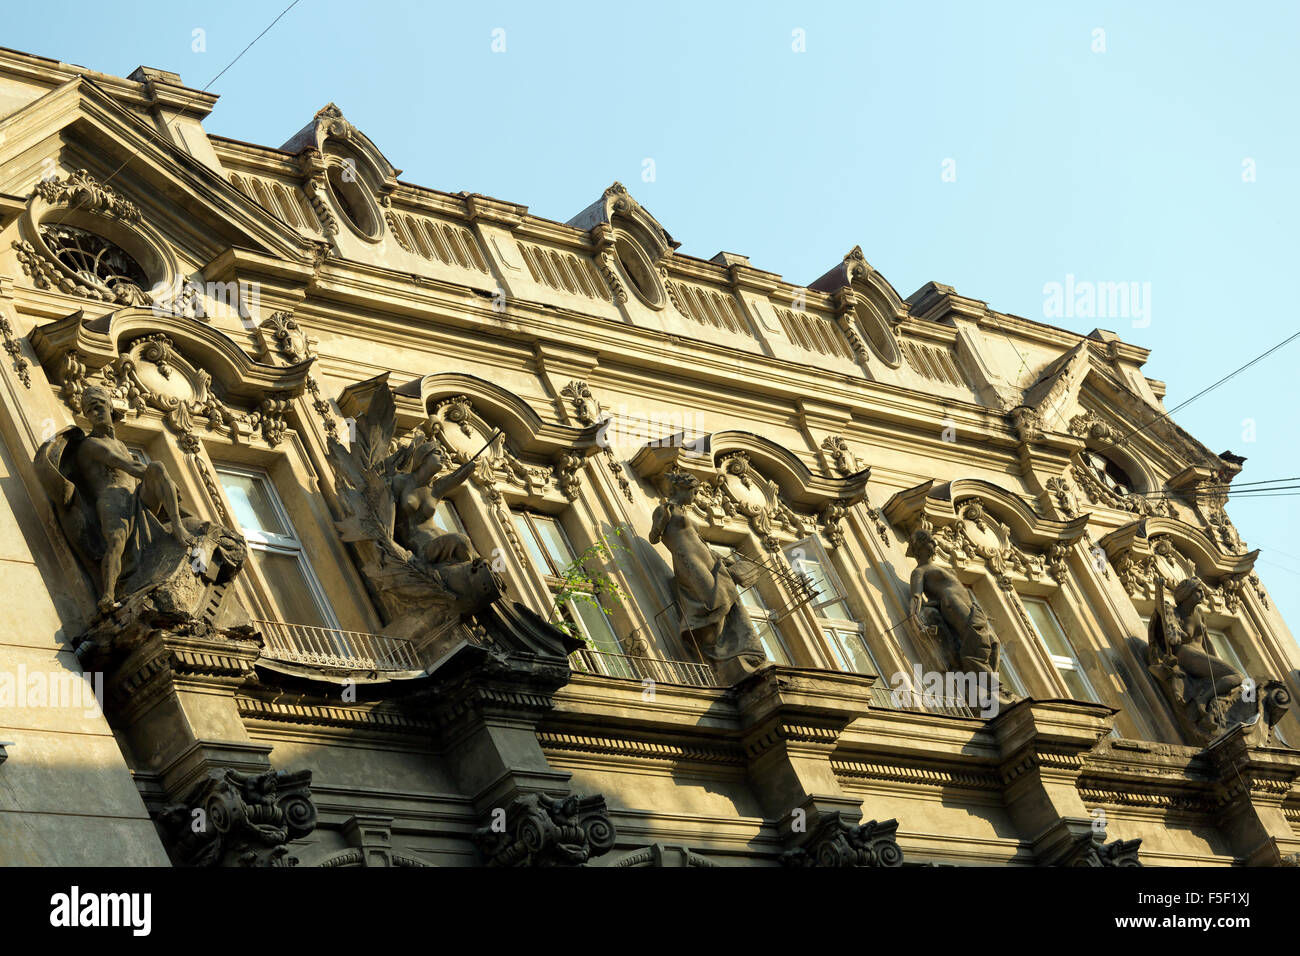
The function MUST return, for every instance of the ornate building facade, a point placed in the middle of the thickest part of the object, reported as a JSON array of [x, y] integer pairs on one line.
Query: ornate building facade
[[397, 527]]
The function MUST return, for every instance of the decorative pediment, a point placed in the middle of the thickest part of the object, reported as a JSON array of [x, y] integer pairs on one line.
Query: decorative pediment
[[976, 522], [615, 204], [745, 477], [187, 371], [343, 170], [867, 308], [115, 168], [1173, 550]]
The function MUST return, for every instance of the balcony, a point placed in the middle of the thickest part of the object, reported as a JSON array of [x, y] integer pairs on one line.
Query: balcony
[[590, 661], [334, 648], [884, 698]]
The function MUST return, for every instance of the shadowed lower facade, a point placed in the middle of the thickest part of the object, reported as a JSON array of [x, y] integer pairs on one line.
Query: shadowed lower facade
[[393, 527]]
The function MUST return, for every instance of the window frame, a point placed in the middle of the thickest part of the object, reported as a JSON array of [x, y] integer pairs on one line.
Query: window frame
[[553, 581], [274, 543], [1060, 663], [832, 629]]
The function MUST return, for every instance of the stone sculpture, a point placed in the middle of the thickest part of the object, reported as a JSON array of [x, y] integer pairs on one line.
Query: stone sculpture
[[947, 611], [706, 586], [124, 520], [1209, 696], [424, 579], [239, 819], [537, 830]]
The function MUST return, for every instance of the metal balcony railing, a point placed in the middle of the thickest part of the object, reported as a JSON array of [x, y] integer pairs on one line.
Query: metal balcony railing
[[591, 661], [886, 698], [331, 647]]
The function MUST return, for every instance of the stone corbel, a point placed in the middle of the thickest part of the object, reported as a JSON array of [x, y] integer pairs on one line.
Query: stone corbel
[[1044, 747], [792, 721], [538, 830], [839, 840], [238, 819], [1253, 784]]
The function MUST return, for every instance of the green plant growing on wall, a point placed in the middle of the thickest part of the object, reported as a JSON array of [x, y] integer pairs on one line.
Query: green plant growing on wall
[[581, 585]]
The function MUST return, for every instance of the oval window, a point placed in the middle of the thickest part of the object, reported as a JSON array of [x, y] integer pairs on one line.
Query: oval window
[[639, 271], [879, 335], [351, 199]]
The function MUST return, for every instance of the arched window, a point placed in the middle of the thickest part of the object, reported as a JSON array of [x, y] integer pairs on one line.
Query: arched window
[[1108, 473]]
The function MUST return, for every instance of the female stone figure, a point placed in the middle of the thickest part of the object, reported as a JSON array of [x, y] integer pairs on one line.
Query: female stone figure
[[1187, 639], [705, 586], [939, 600], [417, 494]]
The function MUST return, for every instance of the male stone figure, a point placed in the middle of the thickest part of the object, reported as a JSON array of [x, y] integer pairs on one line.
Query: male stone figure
[[115, 521], [123, 489]]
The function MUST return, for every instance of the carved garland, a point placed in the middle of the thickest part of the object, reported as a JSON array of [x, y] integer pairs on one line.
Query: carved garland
[[15, 352]]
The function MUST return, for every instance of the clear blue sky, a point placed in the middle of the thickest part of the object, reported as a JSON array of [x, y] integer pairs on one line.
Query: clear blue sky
[[1122, 165]]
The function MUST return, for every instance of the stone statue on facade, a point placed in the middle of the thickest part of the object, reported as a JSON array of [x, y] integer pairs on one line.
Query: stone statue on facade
[[123, 518], [706, 586], [423, 578], [1208, 694], [947, 610]]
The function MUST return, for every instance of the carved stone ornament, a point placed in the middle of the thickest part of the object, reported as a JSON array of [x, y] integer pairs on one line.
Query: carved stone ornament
[[841, 458], [75, 231], [143, 360], [1208, 695], [239, 819], [1091, 849], [838, 840], [151, 561], [587, 411], [758, 499], [424, 580], [537, 830], [965, 531], [1154, 549]]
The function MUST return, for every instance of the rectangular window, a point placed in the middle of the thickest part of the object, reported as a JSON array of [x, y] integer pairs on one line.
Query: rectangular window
[[764, 621], [1059, 649], [551, 553], [842, 631], [275, 548], [1225, 651]]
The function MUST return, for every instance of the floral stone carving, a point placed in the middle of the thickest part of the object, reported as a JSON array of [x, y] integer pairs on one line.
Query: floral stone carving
[[239, 819]]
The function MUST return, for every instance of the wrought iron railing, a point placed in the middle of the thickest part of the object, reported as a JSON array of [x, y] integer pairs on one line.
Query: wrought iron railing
[[591, 661], [886, 698], [332, 647]]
